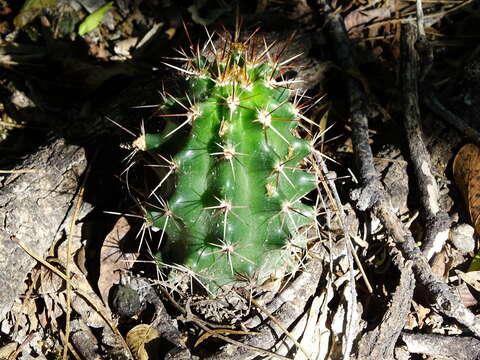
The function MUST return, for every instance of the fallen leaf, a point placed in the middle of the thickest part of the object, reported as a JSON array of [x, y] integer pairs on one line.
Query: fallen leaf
[[471, 278], [311, 335], [421, 313], [112, 259], [359, 18], [94, 19], [138, 337], [466, 295], [7, 350], [466, 171], [439, 262]]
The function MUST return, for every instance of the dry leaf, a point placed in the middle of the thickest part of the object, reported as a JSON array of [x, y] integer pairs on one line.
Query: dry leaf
[[359, 18], [466, 171], [439, 262], [421, 313], [472, 278], [138, 337], [112, 259], [466, 295], [7, 350]]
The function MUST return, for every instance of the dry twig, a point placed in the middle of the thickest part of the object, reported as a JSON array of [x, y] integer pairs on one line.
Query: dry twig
[[69, 259], [436, 345], [449, 117], [437, 222]]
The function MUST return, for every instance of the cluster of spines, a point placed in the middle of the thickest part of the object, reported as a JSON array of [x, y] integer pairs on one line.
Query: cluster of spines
[[239, 183]]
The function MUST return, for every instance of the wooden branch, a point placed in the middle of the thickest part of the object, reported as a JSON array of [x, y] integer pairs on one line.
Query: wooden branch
[[379, 343], [443, 346], [437, 222], [432, 102]]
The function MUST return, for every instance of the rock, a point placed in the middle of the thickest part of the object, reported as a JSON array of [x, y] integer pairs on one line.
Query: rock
[[34, 208], [126, 301]]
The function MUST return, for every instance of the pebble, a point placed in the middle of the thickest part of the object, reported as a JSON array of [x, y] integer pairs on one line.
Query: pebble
[[462, 237]]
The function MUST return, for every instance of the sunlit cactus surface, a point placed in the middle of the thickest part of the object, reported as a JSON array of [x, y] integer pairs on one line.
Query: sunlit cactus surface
[[240, 172]]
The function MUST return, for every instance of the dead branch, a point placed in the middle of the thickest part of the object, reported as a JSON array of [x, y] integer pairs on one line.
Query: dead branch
[[373, 195], [432, 102], [379, 343], [436, 345], [437, 222]]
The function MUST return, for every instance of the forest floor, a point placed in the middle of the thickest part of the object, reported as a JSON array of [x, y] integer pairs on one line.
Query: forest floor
[[393, 271]]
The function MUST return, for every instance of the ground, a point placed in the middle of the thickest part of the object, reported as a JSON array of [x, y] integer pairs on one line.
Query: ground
[[391, 269]]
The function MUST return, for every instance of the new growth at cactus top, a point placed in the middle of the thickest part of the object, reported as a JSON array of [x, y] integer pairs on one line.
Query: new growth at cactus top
[[240, 173]]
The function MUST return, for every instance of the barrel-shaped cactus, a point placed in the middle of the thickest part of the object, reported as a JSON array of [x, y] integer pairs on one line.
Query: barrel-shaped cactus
[[239, 173]]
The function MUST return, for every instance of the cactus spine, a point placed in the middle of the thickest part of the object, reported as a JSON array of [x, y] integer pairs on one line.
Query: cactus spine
[[236, 206]]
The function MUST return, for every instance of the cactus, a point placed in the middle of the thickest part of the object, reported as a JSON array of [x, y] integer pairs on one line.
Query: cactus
[[239, 177]]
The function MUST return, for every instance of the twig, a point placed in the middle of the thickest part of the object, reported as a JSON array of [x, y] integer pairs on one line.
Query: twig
[[20, 171], [420, 19], [200, 323], [437, 222], [71, 348], [373, 195], [450, 118], [69, 259], [436, 345], [430, 19]]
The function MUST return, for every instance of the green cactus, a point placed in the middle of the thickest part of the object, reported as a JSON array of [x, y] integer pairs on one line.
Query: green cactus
[[236, 205]]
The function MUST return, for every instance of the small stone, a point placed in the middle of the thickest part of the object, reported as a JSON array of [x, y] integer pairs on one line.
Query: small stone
[[462, 237], [126, 301]]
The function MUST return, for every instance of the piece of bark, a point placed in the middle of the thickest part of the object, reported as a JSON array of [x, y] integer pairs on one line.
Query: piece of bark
[[379, 343], [443, 346], [33, 209]]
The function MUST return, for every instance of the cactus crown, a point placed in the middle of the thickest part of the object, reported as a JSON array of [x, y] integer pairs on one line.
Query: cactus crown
[[236, 208]]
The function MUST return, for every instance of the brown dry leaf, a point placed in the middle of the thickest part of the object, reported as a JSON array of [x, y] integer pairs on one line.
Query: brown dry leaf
[[466, 171], [112, 260], [466, 295], [472, 278], [439, 262], [421, 313], [311, 335], [138, 337], [359, 18], [7, 350]]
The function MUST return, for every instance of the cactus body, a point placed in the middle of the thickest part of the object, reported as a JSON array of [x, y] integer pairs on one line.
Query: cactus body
[[236, 205]]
